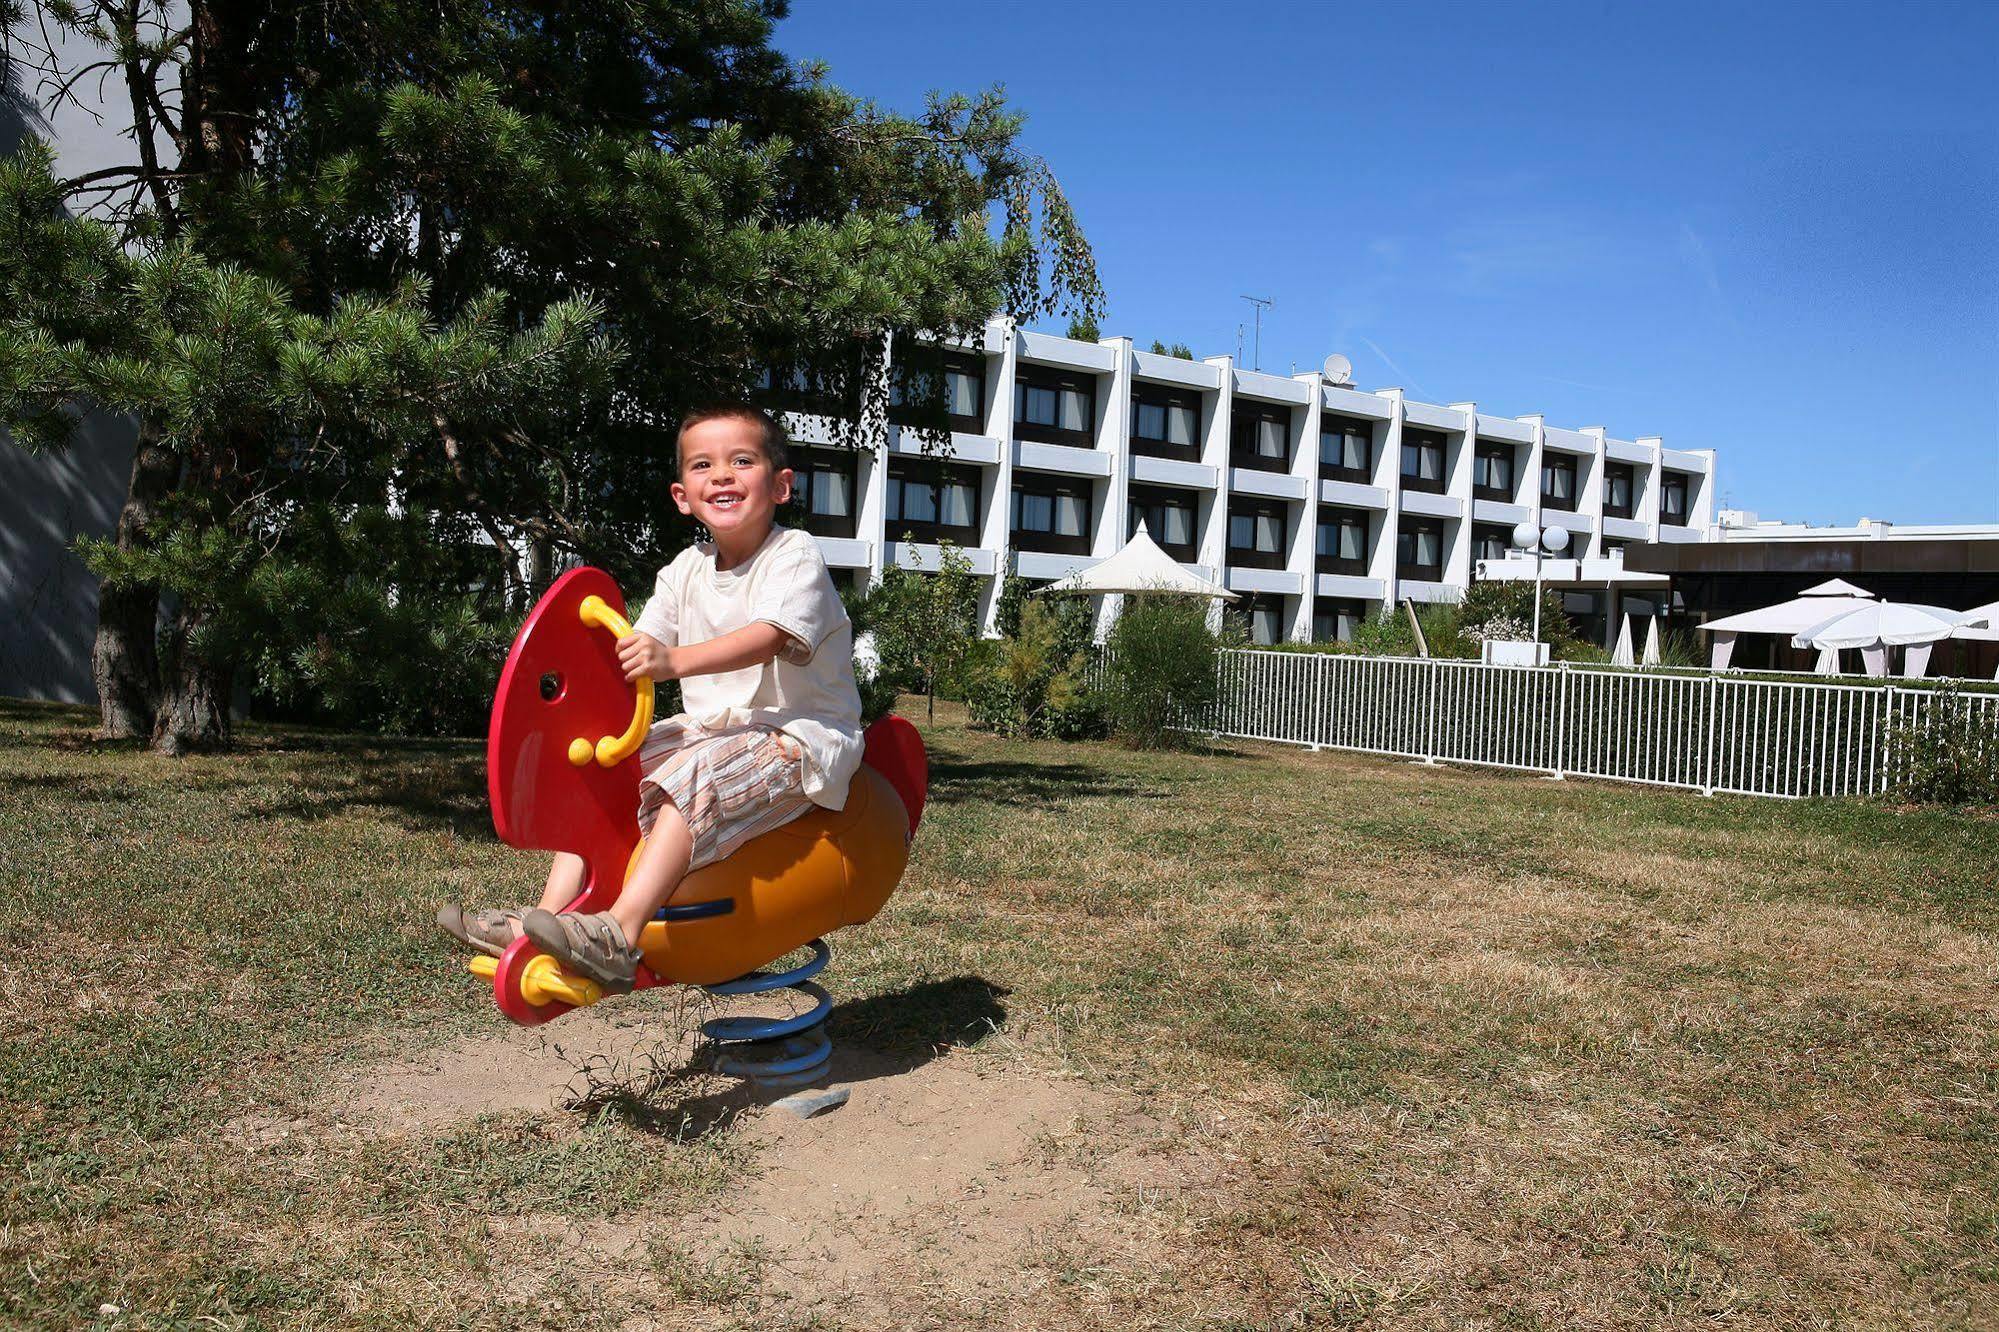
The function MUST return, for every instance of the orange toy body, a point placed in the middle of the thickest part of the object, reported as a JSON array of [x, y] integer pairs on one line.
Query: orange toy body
[[562, 774]]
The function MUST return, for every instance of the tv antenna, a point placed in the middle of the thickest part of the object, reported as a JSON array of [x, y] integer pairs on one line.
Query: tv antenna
[[1261, 303]]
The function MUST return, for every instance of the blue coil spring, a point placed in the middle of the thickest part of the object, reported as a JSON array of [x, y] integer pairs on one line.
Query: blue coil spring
[[778, 1053]]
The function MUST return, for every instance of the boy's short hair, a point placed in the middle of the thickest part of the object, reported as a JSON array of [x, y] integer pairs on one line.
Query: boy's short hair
[[777, 450]]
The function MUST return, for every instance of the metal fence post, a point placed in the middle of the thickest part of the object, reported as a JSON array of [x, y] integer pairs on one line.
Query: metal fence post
[[1562, 722], [1707, 775], [1430, 739]]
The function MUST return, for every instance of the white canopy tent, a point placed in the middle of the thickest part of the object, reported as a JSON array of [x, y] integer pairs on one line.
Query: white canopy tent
[[1884, 624], [1814, 606], [1140, 567]]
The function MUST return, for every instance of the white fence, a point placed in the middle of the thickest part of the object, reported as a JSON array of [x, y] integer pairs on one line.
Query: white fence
[[1708, 733]]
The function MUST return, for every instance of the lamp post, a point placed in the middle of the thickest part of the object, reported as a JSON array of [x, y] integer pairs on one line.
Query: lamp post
[[1526, 536]]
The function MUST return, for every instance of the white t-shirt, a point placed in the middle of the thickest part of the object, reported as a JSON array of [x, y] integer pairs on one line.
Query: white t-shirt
[[808, 692]]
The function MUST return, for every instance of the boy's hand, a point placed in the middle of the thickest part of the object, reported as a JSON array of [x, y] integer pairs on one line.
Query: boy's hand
[[642, 655]]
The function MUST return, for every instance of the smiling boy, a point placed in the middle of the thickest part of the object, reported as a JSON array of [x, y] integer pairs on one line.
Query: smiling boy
[[751, 626]]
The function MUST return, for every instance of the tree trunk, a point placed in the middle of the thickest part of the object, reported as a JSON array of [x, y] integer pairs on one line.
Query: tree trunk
[[125, 657], [194, 693]]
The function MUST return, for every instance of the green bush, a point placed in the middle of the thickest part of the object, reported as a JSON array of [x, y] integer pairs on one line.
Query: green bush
[[1160, 674], [1948, 754], [1035, 683]]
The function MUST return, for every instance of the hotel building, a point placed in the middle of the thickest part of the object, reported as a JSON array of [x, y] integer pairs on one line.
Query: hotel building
[[1316, 502]]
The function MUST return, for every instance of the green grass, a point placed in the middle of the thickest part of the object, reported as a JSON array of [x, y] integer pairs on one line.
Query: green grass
[[1435, 1046]]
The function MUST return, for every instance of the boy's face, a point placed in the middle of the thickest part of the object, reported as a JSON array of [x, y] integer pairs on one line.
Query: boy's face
[[726, 482]]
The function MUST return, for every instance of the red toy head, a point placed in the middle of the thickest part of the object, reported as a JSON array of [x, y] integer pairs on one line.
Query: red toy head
[[562, 683]]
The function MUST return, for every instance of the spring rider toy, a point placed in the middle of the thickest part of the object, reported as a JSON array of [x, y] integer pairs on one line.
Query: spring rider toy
[[562, 772]]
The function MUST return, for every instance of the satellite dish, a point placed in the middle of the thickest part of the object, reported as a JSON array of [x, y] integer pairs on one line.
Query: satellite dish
[[1339, 370]]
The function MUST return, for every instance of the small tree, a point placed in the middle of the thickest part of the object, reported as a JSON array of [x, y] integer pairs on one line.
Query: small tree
[[1179, 350], [1160, 677], [925, 623], [1083, 328]]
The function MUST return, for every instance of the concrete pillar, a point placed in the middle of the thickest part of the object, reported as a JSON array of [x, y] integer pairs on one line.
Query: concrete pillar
[[1388, 475]]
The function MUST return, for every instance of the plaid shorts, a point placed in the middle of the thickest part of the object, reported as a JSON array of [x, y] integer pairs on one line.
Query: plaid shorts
[[729, 784]]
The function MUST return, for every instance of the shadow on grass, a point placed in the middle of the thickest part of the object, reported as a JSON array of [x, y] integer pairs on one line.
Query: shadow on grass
[[880, 1037], [955, 781]]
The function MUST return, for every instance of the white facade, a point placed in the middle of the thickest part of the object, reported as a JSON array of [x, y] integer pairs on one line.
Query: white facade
[[1436, 486]]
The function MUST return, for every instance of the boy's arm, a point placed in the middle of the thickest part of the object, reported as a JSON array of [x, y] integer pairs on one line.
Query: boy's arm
[[752, 645]]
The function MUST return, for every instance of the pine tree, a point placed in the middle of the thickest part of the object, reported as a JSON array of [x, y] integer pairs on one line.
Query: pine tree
[[406, 300]]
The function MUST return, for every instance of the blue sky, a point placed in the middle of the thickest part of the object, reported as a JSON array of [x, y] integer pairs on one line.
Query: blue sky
[[1768, 230]]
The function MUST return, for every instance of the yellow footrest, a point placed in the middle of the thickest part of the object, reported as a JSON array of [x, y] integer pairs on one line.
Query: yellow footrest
[[543, 981]]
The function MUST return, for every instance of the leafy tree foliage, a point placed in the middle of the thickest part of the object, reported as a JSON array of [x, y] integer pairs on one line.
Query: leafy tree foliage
[[924, 624], [392, 287]]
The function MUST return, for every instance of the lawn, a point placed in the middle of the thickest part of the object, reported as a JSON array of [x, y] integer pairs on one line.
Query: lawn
[[1350, 1042]]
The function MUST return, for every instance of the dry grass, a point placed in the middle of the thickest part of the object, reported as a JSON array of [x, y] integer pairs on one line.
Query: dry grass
[[1403, 1047]]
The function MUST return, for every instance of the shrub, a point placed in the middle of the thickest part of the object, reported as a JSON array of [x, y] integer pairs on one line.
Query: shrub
[[1386, 633], [1160, 674], [1948, 754], [1035, 683]]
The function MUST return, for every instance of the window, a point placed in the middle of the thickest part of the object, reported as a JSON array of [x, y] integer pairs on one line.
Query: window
[[1673, 498], [1168, 516], [1422, 460], [1341, 545], [1419, 550], [1491, 542], [1260, 436], [1334, 621], [822, 491], [1257, 535], [1558, 482], [1054, 407], [927, 500], [1586, 611], [1165, 423], [1051, 515], [1618, 489], [1492, 472], [1263, 615], [1346, 450], [964, 389], [824, 390]]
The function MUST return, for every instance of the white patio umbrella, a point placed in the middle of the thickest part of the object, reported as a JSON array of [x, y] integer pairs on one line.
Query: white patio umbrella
[[1651, 657], [1814, 606], [1895, 623], [1828, 662], [1621, 654], [1980, 624], [1880, 625], [1140, 567]]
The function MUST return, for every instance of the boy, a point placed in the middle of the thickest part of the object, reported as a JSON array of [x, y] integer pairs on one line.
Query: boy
[[751, 626]]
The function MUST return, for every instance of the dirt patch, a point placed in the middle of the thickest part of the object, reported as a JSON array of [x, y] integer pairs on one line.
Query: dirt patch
[[933, 1187], [933, 1184]]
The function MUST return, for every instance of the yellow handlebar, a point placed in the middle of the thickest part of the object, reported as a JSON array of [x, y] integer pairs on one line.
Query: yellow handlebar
[[612, 750]]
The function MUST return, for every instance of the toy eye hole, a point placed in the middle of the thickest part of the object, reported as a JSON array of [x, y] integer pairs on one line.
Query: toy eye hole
[[551, 687]]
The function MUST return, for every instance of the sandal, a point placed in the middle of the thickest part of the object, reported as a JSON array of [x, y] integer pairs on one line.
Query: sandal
[[487, 931], [592, 944]]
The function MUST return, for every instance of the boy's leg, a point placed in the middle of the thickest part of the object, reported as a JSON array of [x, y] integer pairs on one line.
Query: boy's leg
[[662, 865], [492, 931], [604, 945], [565, 880]]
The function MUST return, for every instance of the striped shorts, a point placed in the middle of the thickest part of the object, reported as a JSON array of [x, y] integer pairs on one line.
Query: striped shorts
[[730, 784]]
